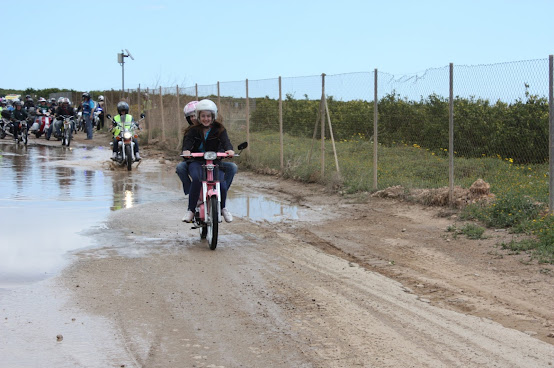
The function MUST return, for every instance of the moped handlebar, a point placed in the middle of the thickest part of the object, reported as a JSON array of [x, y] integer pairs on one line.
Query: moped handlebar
[[202, 154]]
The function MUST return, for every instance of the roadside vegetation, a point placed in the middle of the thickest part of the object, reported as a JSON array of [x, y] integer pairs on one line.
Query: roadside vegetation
[[519, 181]]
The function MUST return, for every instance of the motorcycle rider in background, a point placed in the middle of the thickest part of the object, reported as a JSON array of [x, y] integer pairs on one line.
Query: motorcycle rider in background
[[87, 106], [17, 115], [28, 102], [42, 107], [100, 111], [124, 119], [65, 108]]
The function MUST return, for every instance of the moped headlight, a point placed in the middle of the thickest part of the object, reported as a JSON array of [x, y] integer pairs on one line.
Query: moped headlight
[[127, 135], [210, 155]]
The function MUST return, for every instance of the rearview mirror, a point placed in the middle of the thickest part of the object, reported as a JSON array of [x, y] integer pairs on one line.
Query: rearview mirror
[[242, 146], [142, 116], [109, 116]]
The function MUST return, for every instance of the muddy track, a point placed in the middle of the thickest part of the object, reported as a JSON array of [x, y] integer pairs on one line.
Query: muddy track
[[354, 281]]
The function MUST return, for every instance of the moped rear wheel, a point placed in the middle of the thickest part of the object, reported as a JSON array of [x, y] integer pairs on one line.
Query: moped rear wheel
[[212, 223]]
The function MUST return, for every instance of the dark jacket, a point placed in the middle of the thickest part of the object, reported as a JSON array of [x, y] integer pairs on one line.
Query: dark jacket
[[19, 115], [61, 111], [217, 139]]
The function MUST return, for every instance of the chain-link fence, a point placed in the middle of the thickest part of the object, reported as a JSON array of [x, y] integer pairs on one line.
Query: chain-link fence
[[500, 125]]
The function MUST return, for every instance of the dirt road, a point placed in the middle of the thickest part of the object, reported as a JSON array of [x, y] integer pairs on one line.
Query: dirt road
[[356, 281]]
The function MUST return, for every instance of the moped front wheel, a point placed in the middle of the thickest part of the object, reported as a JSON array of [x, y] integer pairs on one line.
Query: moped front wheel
[[212, 223], [128, 158], [67, 137]]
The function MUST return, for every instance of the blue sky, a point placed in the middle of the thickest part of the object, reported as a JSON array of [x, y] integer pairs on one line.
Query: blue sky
[[74, 44]]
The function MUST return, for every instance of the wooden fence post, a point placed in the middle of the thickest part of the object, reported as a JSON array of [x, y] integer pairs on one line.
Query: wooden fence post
[[148, 118], [375, 130], [281, 126], [322, 108], [162, 114], [451, 139], [179, 122], [247, 116]]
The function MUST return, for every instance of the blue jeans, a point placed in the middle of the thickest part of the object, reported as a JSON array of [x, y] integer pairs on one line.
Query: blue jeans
[[88, 126], [195, 171], [182, 170], [55, 125], [230, 169]]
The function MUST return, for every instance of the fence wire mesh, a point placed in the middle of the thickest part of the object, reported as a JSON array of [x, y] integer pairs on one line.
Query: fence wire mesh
[[500, 125]]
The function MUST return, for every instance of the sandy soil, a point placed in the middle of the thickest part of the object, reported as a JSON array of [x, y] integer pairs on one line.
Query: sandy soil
[[356, 281]]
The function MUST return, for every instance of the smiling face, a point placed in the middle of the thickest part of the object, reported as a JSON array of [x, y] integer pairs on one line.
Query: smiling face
[[206, 118]]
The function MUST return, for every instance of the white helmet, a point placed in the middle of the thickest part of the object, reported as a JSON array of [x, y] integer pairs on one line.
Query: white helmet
[[190, 108], [206, 105], [100, 98]]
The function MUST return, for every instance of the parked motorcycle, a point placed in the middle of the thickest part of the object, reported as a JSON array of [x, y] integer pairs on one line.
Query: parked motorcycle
[[207, 215], [7, 128], [66, 129], [80, 123], [42, 121], [125, 144], [97, 116]]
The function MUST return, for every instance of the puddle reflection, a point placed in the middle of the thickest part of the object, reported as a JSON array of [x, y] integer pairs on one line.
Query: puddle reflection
[[47, 200], [257, 207]]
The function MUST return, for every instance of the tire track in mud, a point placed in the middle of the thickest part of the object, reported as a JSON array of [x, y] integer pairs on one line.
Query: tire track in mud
[[413, 266], [364, 314]]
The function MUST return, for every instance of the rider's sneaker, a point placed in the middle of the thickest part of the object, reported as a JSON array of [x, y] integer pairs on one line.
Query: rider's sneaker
[[114, 155], [188, 216], [227, 215], [137, 156]]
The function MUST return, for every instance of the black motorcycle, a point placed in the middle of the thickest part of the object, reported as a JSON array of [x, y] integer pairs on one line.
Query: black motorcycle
[[7, 128]]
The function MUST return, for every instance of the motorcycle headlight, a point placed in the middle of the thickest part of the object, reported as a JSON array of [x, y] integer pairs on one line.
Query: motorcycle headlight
[[127, 135], [210, 156]]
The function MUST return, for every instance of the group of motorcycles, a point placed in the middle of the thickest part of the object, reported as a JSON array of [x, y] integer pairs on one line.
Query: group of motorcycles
[[38, 123]]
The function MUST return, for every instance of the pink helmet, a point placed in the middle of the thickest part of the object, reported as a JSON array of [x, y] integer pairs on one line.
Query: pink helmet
[[190, 108]]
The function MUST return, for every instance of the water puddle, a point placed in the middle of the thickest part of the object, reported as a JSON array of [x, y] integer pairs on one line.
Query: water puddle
[[257, 207], [49, 198]]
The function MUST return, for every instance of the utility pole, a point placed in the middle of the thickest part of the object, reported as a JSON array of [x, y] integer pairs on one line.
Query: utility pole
[[121, 60]]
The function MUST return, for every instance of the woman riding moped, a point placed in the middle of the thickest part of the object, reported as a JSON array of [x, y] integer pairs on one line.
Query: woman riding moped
[[208, 135]]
